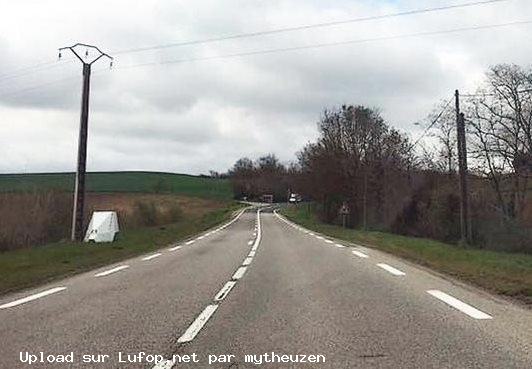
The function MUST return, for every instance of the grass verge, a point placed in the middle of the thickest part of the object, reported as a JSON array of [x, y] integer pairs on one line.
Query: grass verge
[[506, 274], [30, 266]]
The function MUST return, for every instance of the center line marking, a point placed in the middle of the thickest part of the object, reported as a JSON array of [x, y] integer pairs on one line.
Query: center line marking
[[151, 256], [196, 326], [459, 305], [32, 297], [175, 248], [239, 273], [165, 364], [359, 254], [224, 291], [391, 269], [247, 260], [110, 271]]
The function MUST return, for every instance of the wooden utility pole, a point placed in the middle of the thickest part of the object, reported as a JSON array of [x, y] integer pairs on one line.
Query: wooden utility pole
[[79, 186], [465, 223]]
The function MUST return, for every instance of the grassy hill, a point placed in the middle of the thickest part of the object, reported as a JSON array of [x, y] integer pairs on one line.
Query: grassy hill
[[122, 182]]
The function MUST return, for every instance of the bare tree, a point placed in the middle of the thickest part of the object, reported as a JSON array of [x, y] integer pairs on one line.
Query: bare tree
[[501, 125]]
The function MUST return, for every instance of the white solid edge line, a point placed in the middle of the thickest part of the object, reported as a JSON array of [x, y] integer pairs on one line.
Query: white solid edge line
[[190, 242], [200, 238], [319, 237], [359, 254], [175, 248], [459, 305], [110, 271], [225, 291], [247, 260], [165, 364], [391, 269], [151, 256], [251, 253], [329, 241], [196, 326], [239, 273], [32, 297], [338, 245]]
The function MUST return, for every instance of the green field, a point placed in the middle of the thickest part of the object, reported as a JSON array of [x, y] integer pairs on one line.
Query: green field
[[122, 182], [503, 273]]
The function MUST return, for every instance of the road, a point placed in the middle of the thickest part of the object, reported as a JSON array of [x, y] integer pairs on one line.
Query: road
[[257, 288]]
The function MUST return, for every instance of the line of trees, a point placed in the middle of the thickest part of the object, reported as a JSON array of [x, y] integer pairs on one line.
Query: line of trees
[[391, 184]]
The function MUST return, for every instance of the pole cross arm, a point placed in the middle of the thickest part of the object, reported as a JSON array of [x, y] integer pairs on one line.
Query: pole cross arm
[[100, 55]]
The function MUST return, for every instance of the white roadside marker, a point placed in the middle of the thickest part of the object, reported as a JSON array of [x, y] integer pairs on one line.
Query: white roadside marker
[[32, 297], [459, 305], [196, 326], [190, 242], [111, 271], [151, 256], [250, 242], [224, 291], [175, 248], [391, 269], [247, 260], [239, 273], [329, 241], [165, 364], [359, 254]]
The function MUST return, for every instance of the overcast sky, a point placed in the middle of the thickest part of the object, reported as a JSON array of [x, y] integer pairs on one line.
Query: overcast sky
[[191, 117]]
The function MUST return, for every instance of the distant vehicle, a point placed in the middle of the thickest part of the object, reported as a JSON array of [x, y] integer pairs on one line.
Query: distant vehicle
[[294, 198]]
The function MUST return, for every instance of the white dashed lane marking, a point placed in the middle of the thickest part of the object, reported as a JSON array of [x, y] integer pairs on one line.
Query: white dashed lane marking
[[224, 291], [196, 326], [359, 254], [247, 260], [250, 242], [32, 297], [190, 242], [459, 305], [151, 256], [329, 241], [339, 246], [175, 248], [391, 269], [111, 271], [239, 273]]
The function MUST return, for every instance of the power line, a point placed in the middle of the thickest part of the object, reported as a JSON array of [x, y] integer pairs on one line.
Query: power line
[[306, 27], [19, 72], [432, 123], [296, 48], [331, 44]]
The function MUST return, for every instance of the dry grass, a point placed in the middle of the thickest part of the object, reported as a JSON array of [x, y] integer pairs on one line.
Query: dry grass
[[36, 218]]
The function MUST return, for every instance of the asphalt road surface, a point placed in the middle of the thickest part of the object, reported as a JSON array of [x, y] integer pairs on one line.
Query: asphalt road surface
[[284, 296]]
